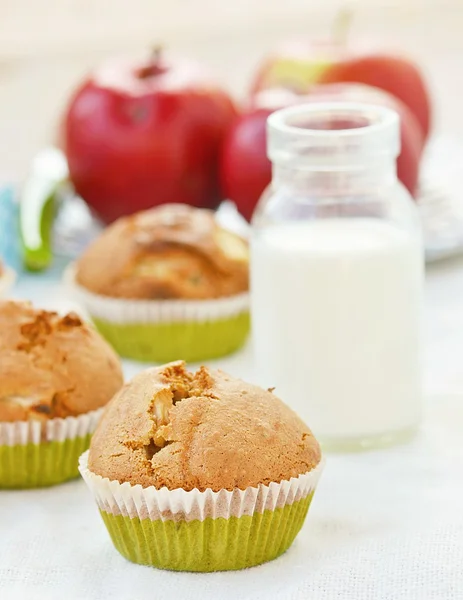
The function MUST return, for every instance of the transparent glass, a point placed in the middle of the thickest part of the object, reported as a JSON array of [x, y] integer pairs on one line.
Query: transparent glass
[[336, 276]]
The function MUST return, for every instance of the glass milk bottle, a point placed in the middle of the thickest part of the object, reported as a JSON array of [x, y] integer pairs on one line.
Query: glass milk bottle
[[336, 276]]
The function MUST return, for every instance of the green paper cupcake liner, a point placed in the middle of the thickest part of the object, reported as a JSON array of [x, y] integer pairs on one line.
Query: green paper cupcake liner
[[166, 330], [209, 545], [39, 454], [202, 531], [192, 341]]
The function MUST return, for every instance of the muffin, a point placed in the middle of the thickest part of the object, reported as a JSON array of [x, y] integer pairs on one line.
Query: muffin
[[200, 471], [167, 283], [7, 278], [55, 375]]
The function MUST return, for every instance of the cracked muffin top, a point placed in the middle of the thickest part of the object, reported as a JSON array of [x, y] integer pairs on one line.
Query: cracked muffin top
[[174, 428], [51, 365], [169, 252]]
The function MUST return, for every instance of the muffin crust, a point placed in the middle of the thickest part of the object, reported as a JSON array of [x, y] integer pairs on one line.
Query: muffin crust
[[169, 252], [174, 428], [52, 366]]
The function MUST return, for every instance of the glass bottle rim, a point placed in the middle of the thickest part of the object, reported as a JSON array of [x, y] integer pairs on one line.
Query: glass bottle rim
[[333, 132]]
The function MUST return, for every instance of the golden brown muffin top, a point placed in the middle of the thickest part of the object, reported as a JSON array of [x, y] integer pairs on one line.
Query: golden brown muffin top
[[52, 366], [168, 252], [174, 428]]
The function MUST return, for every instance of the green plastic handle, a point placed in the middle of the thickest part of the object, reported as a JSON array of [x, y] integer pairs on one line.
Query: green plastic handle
[[38, 207]]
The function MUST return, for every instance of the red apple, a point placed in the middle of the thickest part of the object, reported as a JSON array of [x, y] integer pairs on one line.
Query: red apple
[[139, 134], [245, 168], [298, 65]]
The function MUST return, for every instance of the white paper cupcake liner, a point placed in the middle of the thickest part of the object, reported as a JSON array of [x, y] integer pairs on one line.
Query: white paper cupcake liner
[[52, 430], [7, 280], [163, 504], [122, 310]]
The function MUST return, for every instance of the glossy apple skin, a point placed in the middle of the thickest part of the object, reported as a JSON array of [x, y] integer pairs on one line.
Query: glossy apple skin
[[245, 170], [297, 66], [135, 142]]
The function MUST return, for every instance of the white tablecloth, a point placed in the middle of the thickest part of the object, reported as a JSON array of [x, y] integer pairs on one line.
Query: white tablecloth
[[383, 525]]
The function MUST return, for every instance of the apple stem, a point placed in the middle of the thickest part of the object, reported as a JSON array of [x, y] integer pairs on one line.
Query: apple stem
[[153, 66], [342, 24]]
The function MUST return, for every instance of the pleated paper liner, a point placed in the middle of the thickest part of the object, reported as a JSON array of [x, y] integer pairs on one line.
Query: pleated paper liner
[[165, 330], [7, 279], [192, 341], [39, 454], [202, 531]]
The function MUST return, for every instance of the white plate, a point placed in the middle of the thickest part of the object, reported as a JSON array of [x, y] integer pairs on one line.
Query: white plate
[[440, 198]]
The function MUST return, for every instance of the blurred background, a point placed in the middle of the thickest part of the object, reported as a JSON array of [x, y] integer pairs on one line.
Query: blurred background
[[47, 46]]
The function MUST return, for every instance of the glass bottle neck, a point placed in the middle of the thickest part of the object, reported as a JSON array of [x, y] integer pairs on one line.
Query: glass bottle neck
[[345, 181]]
